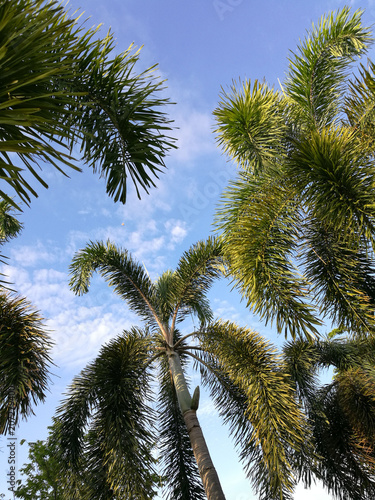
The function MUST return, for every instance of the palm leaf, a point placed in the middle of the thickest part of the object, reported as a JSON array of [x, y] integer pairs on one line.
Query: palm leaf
[[320, 67], [110, 400], [269, 426], [129, 279], [260, 223], [251, 127], [62, 85], [194, 275], [24, 347]]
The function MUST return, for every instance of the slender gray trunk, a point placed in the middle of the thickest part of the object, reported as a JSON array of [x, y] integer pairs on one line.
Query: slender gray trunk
[[188, 405]]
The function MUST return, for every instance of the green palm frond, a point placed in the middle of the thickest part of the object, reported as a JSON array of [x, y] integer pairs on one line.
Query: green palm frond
[[301, 360], [110, 400], [276, 428], [10, 226], [178, 463], [359, 105], [317, 72], [298, 234], [129, 279], [34, 49], [196, 271], [251, 127], [122, 128], [260, 223], [62, 86], [335, 178], [25, 360], [343, 277]]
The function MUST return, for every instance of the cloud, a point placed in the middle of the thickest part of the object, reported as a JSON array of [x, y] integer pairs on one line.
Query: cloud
[[80, 332], [30, 256], [194, 135]]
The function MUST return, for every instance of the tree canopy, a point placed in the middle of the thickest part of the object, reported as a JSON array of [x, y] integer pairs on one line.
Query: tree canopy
[[298, 222], [64, 88]]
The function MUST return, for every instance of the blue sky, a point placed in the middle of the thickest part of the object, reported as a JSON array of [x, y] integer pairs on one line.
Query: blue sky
[[201, 46]]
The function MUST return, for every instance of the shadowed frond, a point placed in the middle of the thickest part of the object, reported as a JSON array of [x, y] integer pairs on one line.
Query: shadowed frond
[[24, 362], [178, 463], [110, 400], [342, 413], [122, 127]]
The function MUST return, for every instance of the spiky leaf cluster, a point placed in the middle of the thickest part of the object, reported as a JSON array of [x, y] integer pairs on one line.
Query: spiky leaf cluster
[[341, 413], [63, 86], [298, 223], [24, 361]]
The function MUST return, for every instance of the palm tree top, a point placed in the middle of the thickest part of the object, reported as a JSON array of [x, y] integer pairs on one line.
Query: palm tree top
[[162, 303]]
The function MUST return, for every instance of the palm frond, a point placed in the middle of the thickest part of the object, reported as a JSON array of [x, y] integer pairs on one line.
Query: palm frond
[[110, 400], [343, 277], [122, 127], [196, 271], [359, 105], [345, 467], [260, 222], [63, 85], [319, 69], [34, 49], [251, 127], [128, 278], [24, 362], [263, 397]]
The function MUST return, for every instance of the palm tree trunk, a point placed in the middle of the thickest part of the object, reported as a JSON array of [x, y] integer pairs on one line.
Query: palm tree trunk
[[207, 471]]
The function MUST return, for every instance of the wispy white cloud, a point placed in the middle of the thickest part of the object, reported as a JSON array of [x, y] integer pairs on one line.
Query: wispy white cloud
[[80, 332], [194, 134], [30, 256]]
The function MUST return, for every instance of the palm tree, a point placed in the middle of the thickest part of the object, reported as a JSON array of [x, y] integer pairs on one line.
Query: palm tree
[[341, 413], [108, 419], [62, 87], [298, 223]]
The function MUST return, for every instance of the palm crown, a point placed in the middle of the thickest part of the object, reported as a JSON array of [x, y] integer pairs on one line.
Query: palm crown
[[64, 87], [298, 223], [113, 395]]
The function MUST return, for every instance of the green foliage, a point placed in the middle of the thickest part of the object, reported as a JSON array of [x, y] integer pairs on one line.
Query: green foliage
[[105, 423], [341, 413], [246, 378], [61, 85], [255, 397], [298, 224], [24, 361], [43, 473]]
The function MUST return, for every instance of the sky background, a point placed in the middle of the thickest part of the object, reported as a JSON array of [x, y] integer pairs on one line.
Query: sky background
[[201, 46]]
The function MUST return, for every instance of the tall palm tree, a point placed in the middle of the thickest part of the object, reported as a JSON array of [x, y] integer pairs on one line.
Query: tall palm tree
[[298, 224], [341, 413], [62, 87], [108, 419]]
